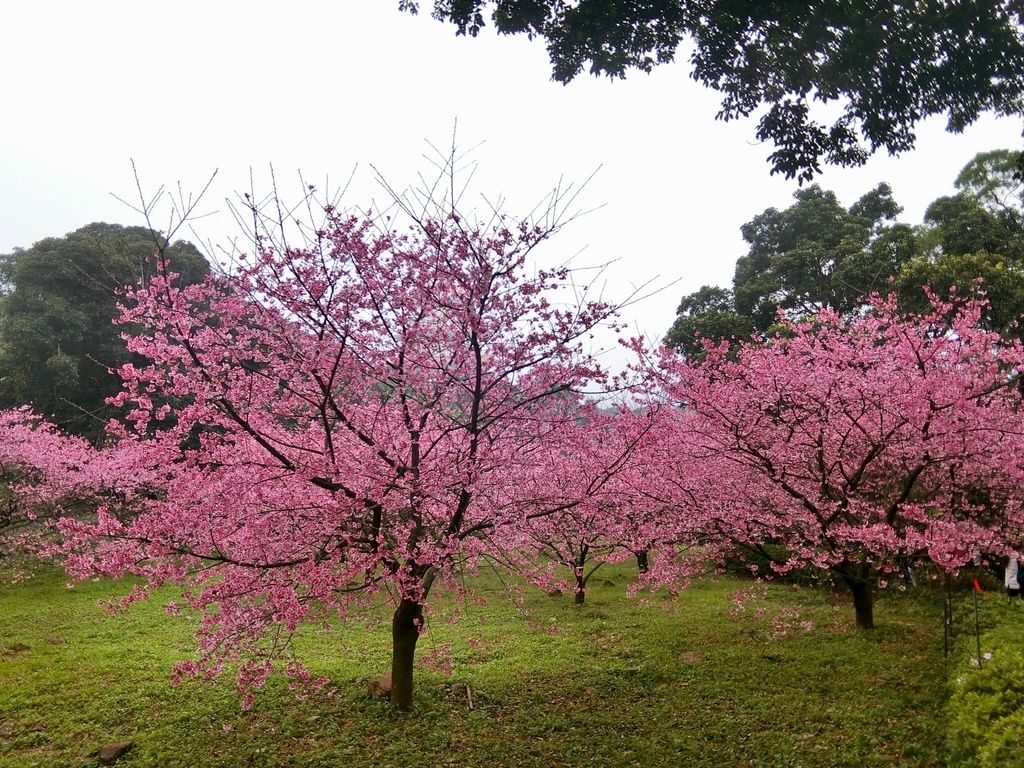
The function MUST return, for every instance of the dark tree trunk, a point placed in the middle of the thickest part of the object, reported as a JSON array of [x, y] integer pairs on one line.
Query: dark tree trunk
[[863, 599], [405, 631], [581, 589], [863, 605], [643, 562], [579, 570]]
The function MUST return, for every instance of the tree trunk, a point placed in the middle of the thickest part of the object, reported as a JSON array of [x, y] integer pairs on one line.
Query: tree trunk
[[643, 562], [863, 600], [405, 631], [581, 589], [579, 570]]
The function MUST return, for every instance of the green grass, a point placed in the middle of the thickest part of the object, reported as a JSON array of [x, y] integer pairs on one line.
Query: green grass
[[616, 682]]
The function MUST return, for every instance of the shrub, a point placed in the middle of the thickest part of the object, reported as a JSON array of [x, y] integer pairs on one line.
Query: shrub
[[986, 706]]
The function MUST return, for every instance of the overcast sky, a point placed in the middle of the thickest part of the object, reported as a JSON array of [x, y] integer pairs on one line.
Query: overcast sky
[[327, 87]]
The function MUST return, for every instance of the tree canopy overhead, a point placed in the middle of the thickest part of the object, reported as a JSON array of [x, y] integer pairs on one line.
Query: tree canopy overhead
[[887, 64]]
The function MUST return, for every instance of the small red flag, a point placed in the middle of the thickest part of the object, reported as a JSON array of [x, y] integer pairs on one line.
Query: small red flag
[[977, 586]]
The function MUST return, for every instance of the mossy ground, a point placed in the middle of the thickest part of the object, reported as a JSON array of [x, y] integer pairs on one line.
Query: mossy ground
[[617, 682]]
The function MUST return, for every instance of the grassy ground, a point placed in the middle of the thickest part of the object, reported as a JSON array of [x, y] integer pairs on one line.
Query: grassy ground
[[613, 683]]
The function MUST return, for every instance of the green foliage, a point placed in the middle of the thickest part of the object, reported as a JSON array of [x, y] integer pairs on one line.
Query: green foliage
[[962, 224], [1001, 280], [994, 179], [613, 683], [973, 241], [889, 65], [814, 255], [707, 314], [986, 704], [57, 339], [817, 254]]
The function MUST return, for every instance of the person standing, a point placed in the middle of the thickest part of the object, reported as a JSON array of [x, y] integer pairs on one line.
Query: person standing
[[1012, 578]]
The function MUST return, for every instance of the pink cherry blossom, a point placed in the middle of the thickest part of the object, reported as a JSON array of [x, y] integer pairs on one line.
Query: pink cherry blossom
[[357, 419], [856, 447]]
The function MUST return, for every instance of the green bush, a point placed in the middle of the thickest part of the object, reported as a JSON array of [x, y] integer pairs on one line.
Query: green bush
[[985, 712]]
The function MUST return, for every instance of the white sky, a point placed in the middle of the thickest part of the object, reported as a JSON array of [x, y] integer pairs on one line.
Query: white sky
[[326, 87]]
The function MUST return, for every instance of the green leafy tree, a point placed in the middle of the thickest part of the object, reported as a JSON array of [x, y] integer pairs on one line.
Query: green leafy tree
[[57, 337], [709, 313], [994, 179], [974, 242], [1000, 279], [816, 254], [888, 64], [961, 224]]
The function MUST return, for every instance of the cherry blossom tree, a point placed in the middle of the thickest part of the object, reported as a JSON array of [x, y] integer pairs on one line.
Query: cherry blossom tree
[[356, 417], [850, 446], [578, 538], [41, 473], [47, 476], [35, 463]]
